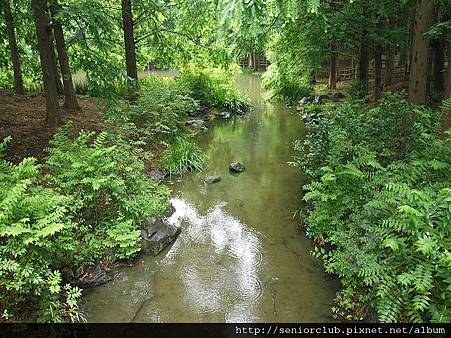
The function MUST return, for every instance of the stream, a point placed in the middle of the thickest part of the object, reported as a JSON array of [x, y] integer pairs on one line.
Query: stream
[[240, 256]]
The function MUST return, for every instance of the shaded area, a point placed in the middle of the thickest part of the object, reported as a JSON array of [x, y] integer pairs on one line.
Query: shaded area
[[23, 118]]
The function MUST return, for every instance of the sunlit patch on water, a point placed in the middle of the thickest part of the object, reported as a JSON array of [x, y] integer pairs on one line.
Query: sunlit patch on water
[[229, 254]]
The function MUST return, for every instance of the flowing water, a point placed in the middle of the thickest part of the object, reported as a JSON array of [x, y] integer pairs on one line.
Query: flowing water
[[240, 256]]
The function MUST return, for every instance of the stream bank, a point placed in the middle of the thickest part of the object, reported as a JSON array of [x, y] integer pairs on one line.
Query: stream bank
[[240, 256]]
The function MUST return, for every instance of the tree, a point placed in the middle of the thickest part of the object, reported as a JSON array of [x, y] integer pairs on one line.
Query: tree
[[43, 32], [70, 100], [129, 41], [378, 57], [420, 66], [333, 65], [15, 58], [448, 71]]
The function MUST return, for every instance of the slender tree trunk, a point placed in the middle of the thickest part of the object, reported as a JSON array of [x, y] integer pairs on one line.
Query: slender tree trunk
[[377, 73], [448, 72], [70, 100], [251, 61], [388, 78], [15, 58], [438, 65], [254, 60], [58, 83], [402, 57], [364, 64], [333, 65], [419, 70], [53, 116], [129, 41]]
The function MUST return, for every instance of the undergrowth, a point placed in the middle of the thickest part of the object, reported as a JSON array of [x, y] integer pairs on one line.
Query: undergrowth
[[214, 87], [379, 198]]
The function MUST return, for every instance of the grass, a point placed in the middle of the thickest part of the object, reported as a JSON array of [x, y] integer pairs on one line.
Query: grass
[[182, 156]]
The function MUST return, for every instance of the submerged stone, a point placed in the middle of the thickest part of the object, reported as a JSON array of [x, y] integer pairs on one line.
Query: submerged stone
[[212, 179], [224, 114], [196, 123], [156, 234], [237, 167]]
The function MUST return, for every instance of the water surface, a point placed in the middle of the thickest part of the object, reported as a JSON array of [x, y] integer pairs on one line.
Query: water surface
[[240, 256]]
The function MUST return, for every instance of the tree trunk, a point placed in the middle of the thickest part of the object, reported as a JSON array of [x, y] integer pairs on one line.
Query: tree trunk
[[251, 61], [419, 69], [388, 78], [70, 100], [364, 64], [18, 81], [58, 83], [129, 41], [402, 57], [333, 65], [53, 116], [438, 65], [448, 72], [377, 73], [254, 56]]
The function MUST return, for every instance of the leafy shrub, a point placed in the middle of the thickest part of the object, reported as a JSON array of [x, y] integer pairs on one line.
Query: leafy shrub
[[34, 228], [380, 198], [155, 116], [214, 87], [182, 155], [105, 88], [285, 86], [110, 191], [92, 197]]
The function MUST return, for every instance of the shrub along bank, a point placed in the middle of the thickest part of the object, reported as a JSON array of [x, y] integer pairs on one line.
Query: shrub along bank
[[88, 198], [379, 201]]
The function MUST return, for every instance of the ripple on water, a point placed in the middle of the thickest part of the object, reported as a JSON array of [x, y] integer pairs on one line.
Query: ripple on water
[[224, 260]]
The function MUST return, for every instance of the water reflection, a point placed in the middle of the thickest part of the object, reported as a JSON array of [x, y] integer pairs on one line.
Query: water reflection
[[240, 256]]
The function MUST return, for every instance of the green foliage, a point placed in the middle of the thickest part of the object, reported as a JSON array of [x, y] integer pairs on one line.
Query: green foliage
[[285, 86], [214, 87], [92, 197], [182, 156], [380, 198], [34, 224], [111, 193]]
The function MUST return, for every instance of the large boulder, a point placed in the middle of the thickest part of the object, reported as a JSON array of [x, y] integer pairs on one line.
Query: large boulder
[[237, 167], [212, 179], [157, 234]]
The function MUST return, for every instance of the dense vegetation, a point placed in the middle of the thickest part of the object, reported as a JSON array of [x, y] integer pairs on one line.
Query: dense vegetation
[[377, 205], [380, 199]]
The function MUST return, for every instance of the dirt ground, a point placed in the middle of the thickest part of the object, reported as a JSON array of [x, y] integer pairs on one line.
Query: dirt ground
[[23, 118]]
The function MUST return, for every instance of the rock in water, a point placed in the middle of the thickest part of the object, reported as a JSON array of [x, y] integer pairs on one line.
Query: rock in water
[[93, 276], [157, 234], [157, 174], [212, 179], [196, 123], [224, 114], [237, 167]]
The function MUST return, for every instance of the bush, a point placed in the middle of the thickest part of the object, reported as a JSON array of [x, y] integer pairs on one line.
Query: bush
[[111, 193], [182, 156], [380, 199], [92, 198], [214, 87], [34, 228], [284, 86]]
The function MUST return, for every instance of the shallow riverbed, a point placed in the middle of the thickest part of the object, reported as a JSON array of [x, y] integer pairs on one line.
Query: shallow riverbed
[[240, 256]]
